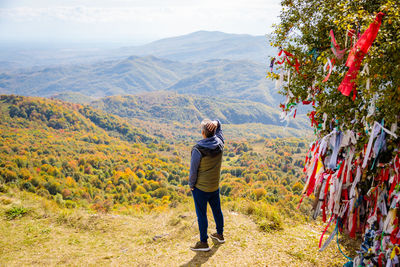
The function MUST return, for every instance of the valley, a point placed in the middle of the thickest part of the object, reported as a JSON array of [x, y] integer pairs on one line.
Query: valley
[[96, 150]]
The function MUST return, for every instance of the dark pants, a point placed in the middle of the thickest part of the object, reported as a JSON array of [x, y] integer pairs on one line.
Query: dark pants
[[200, 201]]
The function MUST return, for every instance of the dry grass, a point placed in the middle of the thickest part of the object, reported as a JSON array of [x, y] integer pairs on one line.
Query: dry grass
[[50, 236]]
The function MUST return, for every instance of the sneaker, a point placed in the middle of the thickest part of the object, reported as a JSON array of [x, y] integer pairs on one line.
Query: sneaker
[[200, 246], [218, 237]]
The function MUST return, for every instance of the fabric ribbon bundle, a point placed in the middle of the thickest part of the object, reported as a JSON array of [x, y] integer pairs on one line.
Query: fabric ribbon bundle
[[356, 185], [353, 62], [356, 56], [353, 199], [295, 63], [287, 110]]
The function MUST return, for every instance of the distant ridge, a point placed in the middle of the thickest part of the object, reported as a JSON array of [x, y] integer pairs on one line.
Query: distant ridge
[[204, 45], [194, 47], [167, 107], [217, 77]]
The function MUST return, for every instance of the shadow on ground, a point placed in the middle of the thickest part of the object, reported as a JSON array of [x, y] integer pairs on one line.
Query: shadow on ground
[[202, 257]]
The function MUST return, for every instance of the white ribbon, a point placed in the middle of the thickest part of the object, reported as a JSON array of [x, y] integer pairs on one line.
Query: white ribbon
[[375, 131], [332, 189], [382, 203], [279, 81], [393, 128], [355, 182], [335, 142], [349, 138], [386, 130], [365, 71], [372, 108], [287, 117], [388, 225], [325, 117], [338, 191], [327, 64]]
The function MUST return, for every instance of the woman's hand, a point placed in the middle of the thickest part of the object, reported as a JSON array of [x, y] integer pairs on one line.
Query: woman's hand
[[211, 126]]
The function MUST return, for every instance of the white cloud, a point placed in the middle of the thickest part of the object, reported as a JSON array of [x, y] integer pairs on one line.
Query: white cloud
[[155, 18]]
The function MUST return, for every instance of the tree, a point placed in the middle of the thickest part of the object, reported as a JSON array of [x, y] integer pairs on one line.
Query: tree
[[304, 32], [352, 81]]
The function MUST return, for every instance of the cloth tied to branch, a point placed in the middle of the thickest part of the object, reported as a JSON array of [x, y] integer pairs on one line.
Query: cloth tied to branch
[[356, 56], [339, 53], [295, 64]]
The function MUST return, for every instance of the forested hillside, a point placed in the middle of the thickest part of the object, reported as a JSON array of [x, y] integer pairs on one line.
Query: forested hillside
[[167, 106], [131, 75], [80, 156]]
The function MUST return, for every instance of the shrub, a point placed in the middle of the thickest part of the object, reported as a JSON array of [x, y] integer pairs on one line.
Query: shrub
[[43, 192], [140, 190], [59, 200], [249, 209], [66, 193], [9, 176], [70, 204], [160, 192], [259, 193], [27, 185], [297, 188], [3, 188], [225, 189], [53, 187], [269, 226], [15, 212]]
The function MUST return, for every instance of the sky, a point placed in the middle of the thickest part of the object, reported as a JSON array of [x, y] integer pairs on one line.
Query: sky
[[130, 21]]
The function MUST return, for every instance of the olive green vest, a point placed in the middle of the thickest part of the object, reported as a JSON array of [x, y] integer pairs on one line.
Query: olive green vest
[[209, 173]]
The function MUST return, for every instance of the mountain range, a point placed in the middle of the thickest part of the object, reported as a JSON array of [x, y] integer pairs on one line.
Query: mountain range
[[205, 45], [177, 116], [168, 106], [194, 47], [219, 77], [179, 79]]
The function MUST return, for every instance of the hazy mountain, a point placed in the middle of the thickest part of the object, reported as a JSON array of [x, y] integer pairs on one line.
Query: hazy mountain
[[127, 76], [205, 45], [17, 56], [234, 79], [73, 97], [193, 47]]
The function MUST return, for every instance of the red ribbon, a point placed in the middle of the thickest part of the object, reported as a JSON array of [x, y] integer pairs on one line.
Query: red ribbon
[[356, 56], [312, 118], [330, 67], [335, 47], [323, 232], [396, 180], [393, 237], [325, 192], [311, 184], [296, 63], [354, 226], [380, 259]]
